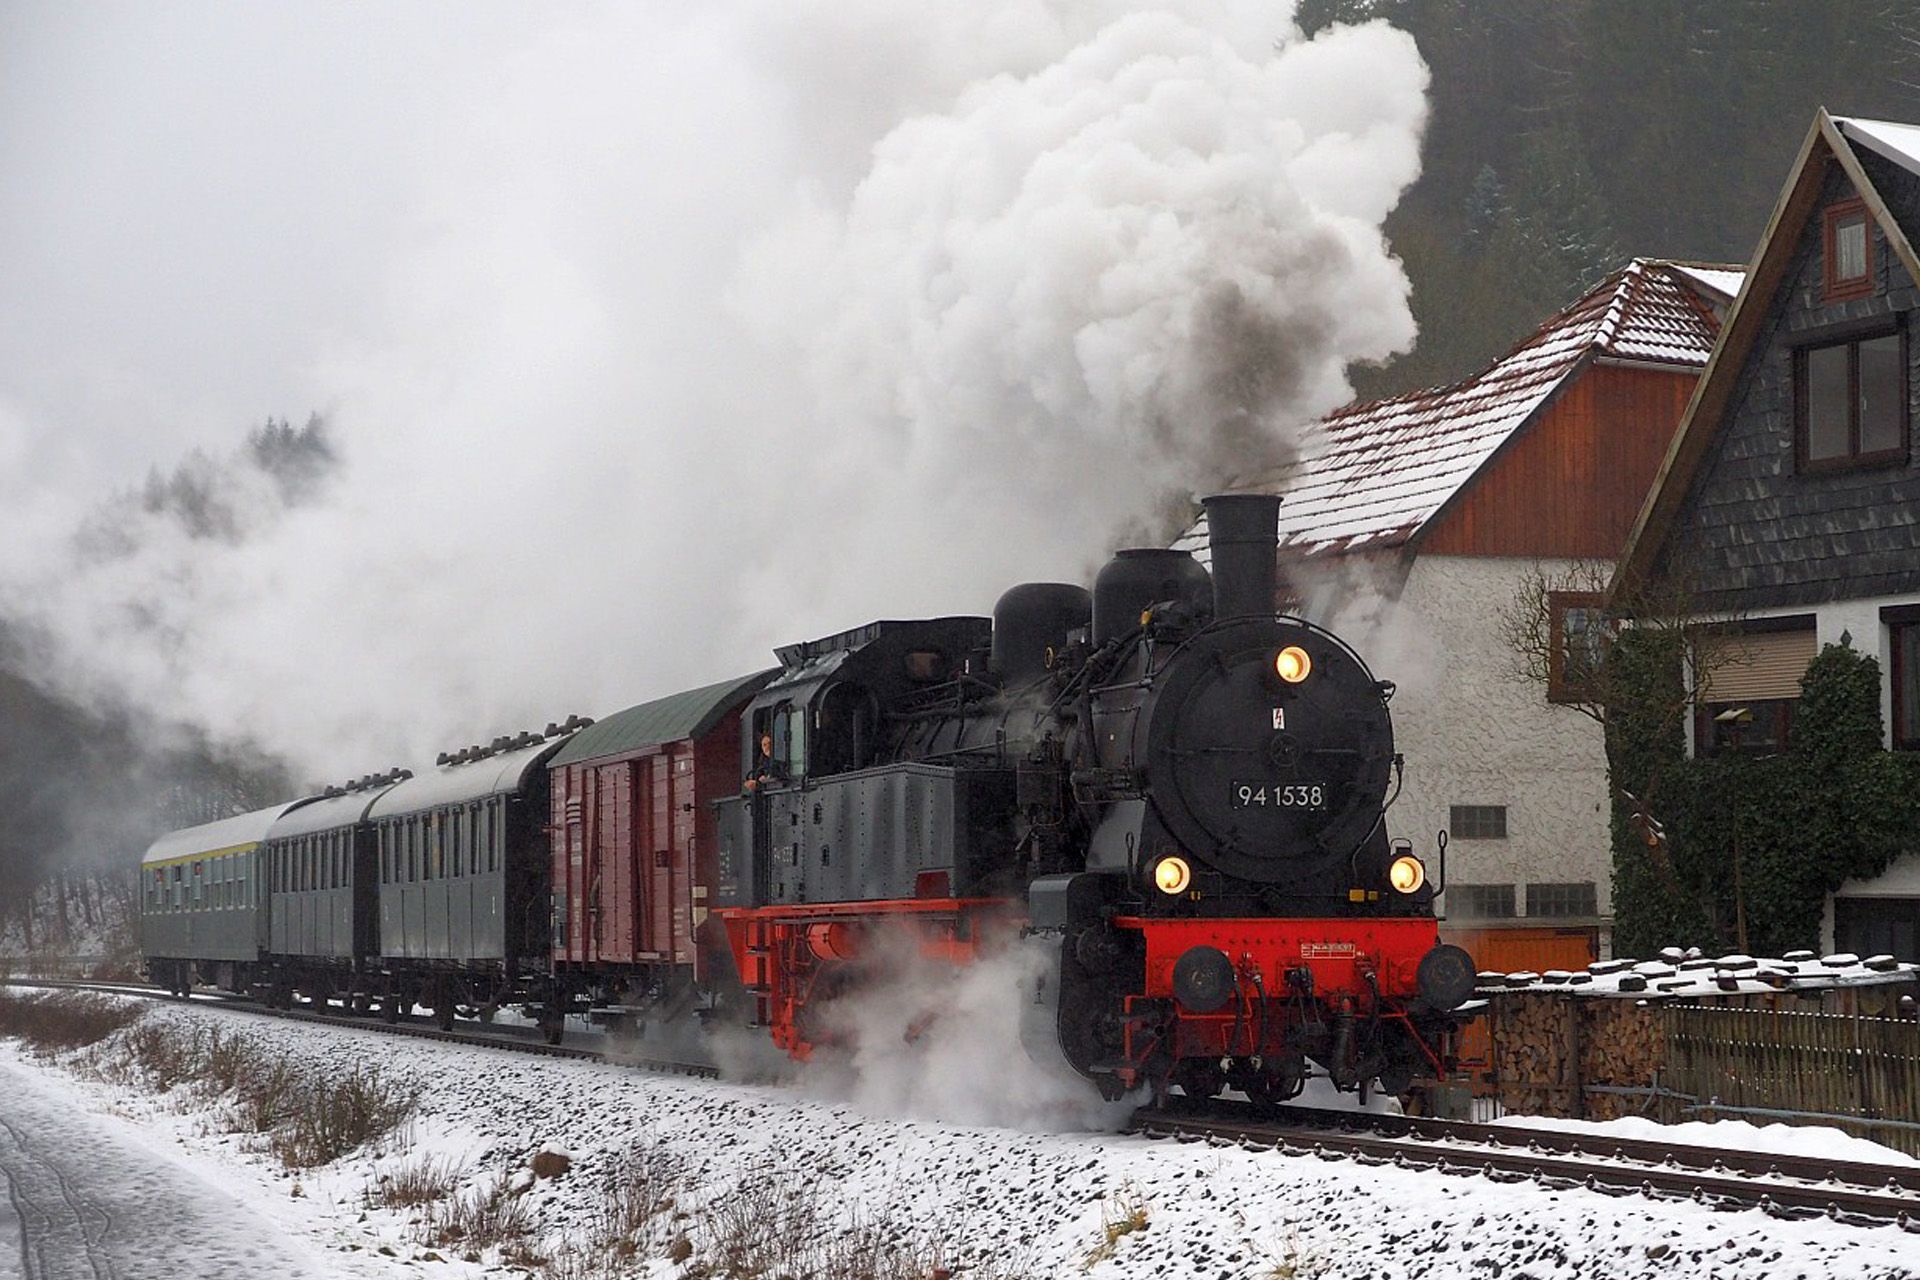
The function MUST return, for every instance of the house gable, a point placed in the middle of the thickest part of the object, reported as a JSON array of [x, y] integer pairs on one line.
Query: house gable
[[1752, 525], [1389, 474], [1570, 484]]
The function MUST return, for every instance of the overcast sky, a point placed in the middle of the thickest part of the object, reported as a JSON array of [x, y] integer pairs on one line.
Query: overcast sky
[[652, 336]]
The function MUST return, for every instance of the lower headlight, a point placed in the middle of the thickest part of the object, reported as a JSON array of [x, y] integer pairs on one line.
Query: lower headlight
[[1406, 875], [1172, 875]]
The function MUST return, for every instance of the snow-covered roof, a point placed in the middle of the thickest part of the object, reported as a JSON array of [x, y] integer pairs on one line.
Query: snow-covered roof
[[1372, 475], [237, 834], [1899, 143], [502, 771], [1690, 974], [1724, 282]]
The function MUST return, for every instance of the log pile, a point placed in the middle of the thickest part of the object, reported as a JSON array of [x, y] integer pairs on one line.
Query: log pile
[[1560, 1044]]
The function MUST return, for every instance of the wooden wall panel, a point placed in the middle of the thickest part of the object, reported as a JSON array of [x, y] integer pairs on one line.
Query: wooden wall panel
[[1573, 482]]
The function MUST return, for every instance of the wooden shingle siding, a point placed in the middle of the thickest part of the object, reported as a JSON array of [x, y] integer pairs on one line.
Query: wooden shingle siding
[[1753, 532], [1570, 484]]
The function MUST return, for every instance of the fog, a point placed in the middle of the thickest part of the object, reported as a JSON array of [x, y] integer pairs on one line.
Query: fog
[[645, 339]]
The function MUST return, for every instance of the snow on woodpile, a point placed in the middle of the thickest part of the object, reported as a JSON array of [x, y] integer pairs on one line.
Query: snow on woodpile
[[1690, 974]]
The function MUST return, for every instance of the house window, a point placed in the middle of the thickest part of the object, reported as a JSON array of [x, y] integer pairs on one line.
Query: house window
[[1477, 822], [1578, 634], [1847, 253], [1850, 402], [1563, 900], [1903, 634], [1877, 926], [1480, 901], [1747, 696]]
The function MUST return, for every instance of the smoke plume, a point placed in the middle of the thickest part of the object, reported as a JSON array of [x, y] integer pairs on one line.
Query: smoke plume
[[646, 341]]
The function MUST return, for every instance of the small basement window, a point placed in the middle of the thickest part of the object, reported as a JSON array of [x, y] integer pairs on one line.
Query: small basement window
[[1564, 900], [1846, 252], [1477, 822], [1480, 901]]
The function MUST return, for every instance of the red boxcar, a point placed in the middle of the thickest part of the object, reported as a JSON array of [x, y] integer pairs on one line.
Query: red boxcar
[[633, 844]]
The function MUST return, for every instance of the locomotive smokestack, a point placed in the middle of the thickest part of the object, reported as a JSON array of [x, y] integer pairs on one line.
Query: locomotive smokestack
[[1243, 529]]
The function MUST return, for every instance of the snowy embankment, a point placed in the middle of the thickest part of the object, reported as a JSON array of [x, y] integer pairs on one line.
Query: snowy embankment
[[1014, 1203]]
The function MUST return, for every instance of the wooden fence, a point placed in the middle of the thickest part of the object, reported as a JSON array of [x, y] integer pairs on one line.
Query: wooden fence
[[1856, 1072]]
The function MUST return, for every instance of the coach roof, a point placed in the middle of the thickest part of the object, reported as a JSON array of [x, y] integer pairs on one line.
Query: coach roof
[[691, 714], [323, 813], [496, 773], [228, 835]]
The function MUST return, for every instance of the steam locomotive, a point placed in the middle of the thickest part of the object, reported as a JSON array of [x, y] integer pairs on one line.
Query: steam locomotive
[[1176, 794], [1182, 793]]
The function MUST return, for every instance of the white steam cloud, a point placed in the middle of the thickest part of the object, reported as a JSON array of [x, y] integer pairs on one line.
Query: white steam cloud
[[649, 341], [937, 1042]]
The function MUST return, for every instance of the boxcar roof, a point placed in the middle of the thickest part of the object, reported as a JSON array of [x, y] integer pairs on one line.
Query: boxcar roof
[[228, 835], [493, 775], [325, 812], [690, 714]]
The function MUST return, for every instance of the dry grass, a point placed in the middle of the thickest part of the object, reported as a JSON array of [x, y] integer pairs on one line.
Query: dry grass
[[51, 1022], [491, 1216], [641, 1195], [339, 1116], [1122, 1214], [422, 1181], [308, 1117]]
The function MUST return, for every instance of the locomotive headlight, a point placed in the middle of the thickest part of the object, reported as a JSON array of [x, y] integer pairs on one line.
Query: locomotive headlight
[[1406, 875], [1292, 664], [1172, 875]]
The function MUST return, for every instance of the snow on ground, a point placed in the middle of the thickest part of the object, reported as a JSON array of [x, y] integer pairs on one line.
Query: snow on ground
[[1820, 1141], [1036, 1203], [93, 1193]]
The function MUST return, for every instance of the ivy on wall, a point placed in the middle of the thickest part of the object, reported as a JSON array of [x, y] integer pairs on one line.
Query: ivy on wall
[[1740, 852]]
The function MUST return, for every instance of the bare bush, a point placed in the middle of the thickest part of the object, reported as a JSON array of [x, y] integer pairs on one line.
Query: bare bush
[[422, 1181], [490, 1216], [54, 1022], [776, 1226], [335, 1117], [646, 1184]]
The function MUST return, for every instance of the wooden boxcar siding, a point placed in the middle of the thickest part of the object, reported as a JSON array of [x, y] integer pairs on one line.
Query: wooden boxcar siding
[[628, 825], [1573, 482], [634, 840], [1753, 533]]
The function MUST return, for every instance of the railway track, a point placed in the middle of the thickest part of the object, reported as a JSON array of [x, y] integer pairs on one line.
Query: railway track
[[1783, 1186], [1792, 1187], [497, 1037]]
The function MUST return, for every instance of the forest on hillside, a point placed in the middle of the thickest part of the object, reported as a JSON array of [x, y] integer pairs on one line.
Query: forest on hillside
[[1565, 137]]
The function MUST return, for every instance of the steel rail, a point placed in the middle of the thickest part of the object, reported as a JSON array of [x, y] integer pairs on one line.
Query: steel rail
[[499, 1038], [1853, 1192]]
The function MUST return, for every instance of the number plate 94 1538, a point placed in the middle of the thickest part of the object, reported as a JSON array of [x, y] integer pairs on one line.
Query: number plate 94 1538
[[1279, 795]]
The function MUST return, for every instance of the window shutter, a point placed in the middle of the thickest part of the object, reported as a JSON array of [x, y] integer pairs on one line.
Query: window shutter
[[1758, 668]]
